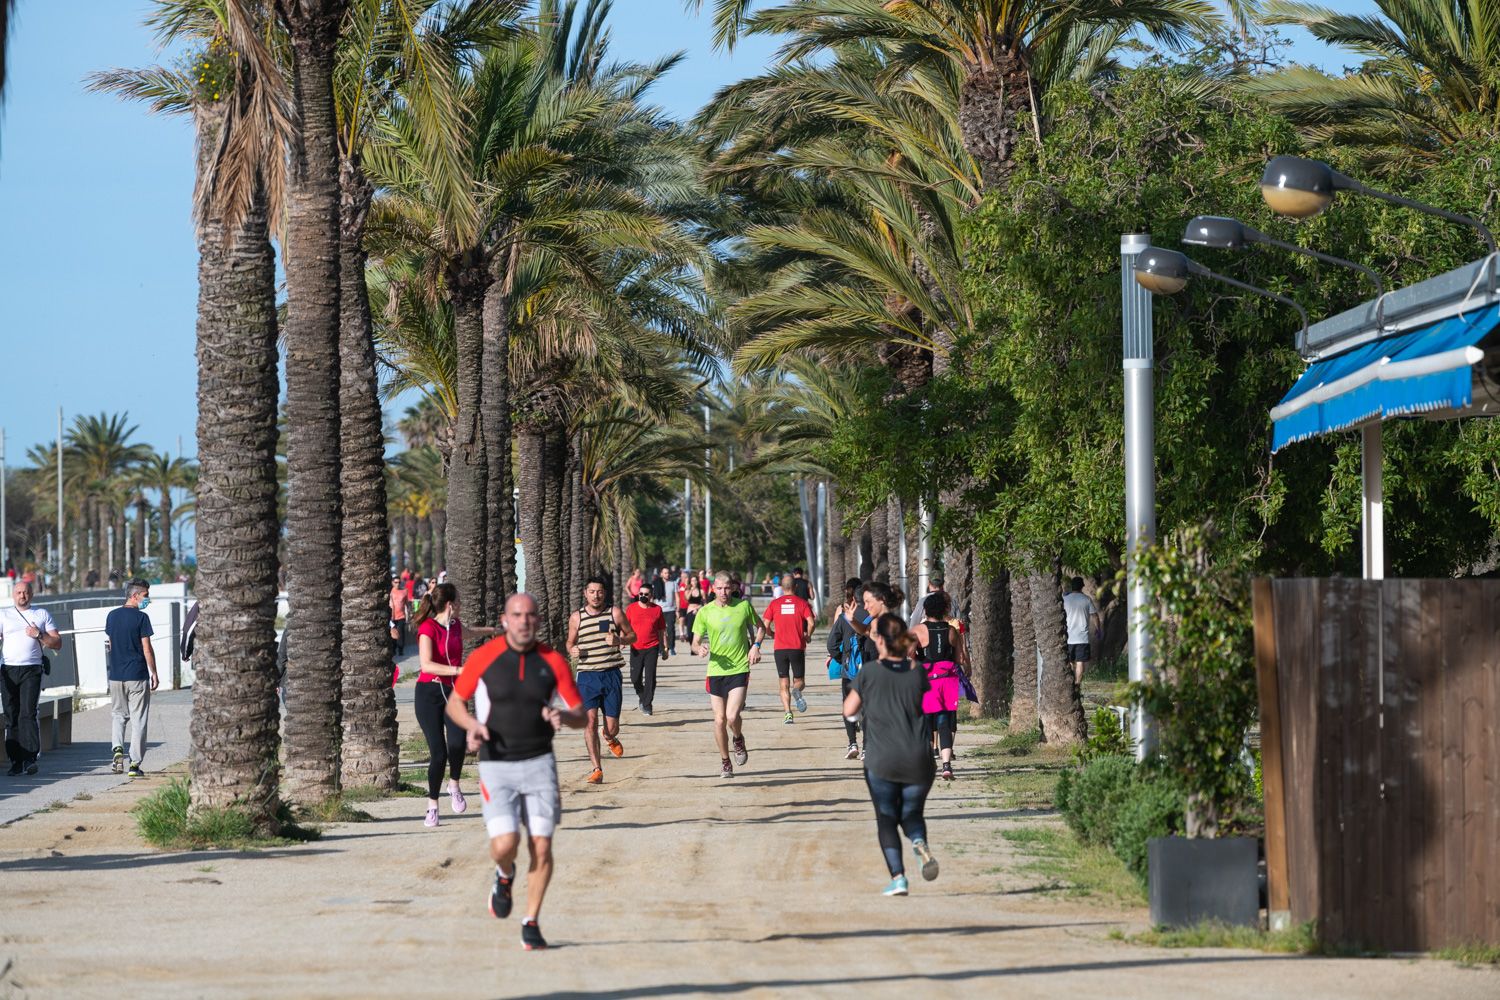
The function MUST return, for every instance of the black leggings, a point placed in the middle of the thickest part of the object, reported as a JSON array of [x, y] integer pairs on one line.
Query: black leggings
[[431, 701], [851, 729], [898, 808], [944, 724]]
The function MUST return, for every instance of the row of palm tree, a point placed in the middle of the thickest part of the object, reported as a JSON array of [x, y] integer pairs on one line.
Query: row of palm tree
[[122, 503], [474, 202]]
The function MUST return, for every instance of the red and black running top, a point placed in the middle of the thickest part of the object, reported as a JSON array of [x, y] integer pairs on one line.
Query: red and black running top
[[510, 689]]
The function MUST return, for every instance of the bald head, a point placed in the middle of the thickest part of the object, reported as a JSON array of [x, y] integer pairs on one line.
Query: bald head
[[521, 620]]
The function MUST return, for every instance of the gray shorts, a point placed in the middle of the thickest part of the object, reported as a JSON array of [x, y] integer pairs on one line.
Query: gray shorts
[[520, 793]]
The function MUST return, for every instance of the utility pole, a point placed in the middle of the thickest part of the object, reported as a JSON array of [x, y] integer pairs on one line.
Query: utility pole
[[61, 547], [687, 523], [708, 502], [1140, 470]]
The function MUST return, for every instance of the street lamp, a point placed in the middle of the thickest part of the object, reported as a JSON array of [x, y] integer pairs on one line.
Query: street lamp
[[1302, 188], [1166, 272], [1231, 234]]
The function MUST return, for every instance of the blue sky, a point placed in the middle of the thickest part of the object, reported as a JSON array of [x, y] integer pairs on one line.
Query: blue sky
[[97, 266]]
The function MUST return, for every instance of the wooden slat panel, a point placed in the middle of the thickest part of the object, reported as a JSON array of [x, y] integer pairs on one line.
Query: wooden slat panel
[[1401, 802], [1365, 893], [1278, 896], [1456, 663], [1427, 666], [1332, 691], [1297, 656]]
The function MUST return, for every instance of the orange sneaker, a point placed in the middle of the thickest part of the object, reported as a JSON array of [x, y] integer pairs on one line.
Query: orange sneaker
[[616, 748], [596, 777]]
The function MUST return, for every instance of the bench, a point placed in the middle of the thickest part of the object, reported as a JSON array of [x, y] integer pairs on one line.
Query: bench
[[55, 719]]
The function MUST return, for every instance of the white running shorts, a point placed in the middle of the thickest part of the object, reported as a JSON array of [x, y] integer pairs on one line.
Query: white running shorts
[[520, 793]]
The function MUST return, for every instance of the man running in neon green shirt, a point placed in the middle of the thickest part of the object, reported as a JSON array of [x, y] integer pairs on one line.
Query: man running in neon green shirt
[[723, 632]]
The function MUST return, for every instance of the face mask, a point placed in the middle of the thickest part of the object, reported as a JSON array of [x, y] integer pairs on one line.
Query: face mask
[[144, 601]]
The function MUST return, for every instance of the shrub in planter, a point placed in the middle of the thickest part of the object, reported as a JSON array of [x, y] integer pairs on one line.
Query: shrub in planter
[[1153, 808], [1089, 799]]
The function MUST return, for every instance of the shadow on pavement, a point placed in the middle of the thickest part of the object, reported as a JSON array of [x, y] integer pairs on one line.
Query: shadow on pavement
[[107, 862], [955, 976]]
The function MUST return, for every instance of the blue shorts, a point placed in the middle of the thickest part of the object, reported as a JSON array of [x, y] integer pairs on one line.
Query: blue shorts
[[602, 689]]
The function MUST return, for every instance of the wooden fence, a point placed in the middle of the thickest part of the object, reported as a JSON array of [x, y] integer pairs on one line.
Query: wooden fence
[[1380, 742]]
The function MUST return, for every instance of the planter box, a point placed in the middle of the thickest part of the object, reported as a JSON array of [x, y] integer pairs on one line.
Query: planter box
[[1196, 880]]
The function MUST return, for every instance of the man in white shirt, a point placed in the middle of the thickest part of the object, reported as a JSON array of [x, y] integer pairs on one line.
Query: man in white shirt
[[664, 593], [1083, 624], [26, 632]]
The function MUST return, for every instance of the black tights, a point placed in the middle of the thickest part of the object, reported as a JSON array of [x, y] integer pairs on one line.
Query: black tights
[[898, 809], [851, 729], [943, 724], [431, 702]]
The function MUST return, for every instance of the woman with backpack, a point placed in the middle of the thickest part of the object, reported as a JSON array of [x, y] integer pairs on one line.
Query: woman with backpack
[[887, 694], [844, 652], [941, 648]]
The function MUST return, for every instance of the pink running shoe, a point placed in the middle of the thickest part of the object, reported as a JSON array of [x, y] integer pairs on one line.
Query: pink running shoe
[[432, 817], [456, 799]]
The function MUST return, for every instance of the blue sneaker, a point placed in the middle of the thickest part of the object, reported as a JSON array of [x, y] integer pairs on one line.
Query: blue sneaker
[[897, 887], [798, 700], [929, 863]]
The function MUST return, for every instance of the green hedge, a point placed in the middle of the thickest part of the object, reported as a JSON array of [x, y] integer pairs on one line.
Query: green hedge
[[1117, 803]]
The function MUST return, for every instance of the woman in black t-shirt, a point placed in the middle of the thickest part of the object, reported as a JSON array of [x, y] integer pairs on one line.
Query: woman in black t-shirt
[[898, 766]]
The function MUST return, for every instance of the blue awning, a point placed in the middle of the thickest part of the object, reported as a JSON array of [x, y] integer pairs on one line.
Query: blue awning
[[1430, 368]]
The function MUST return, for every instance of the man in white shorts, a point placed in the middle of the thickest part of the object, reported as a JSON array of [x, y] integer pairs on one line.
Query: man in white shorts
[[513, 680]]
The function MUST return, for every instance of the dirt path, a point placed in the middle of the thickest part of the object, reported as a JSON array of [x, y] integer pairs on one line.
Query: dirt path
[[671, 882]]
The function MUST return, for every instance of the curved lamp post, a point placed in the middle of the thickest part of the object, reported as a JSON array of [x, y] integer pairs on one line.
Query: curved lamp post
[[1231, 234], [1302, 188], [1166, 272]]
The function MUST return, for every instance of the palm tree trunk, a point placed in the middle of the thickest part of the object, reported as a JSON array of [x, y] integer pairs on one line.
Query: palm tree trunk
[[994, 106], [580, 518], [235, 710], [1059, 706], [101, 540], [880, 545], [990, 641], [621, 569], [439, 532], [122, 528], [424, 561], [467, 468], [838, 548], [530, 445], [552, 562], [367, 702], [1023, 702], [866, 552], [314, 560], [164, 532], [500, 560]]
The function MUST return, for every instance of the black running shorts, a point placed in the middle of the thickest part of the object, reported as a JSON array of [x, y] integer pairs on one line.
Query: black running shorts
[[793, 661], [719, 686]]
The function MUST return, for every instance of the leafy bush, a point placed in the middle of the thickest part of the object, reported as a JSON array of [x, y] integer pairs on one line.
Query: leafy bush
[[1106, 738], [1153, 807], [1093, 796], [1202, 693]]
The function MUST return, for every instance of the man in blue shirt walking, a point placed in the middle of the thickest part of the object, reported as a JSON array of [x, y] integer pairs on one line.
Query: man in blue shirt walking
[[132, 674]]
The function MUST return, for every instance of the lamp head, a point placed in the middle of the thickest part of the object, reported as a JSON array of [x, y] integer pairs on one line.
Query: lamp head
[[1217, 232], [1164, 272], [1298, 187]]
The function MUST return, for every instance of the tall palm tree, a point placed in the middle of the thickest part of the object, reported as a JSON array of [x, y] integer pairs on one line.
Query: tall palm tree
[[161, 473], [241, 118], [314, 523], [1428, 80]]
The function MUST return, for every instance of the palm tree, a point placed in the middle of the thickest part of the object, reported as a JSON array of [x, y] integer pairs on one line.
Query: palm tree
[[233, 92], [7, 8], [103, 456], [161, 473], [314, 523], [1428, 81]]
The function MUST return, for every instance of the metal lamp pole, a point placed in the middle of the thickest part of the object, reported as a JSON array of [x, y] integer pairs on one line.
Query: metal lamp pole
[[708, 503], [1140, 469]]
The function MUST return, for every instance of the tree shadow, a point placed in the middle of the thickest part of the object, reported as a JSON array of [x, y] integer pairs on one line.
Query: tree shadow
[[116, 862]]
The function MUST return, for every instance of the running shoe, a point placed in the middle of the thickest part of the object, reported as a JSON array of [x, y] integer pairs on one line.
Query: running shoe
[[947, 771], [134, 771], [798, 700], [787, 719], [15, 768], [596, 776], [929, 863], [852, 752], [500, 894], [531, 936], [740, 753], [616, 747], [432, 817], [861, 753], [727, 771], [897, 887], [118, 765], [646, 710], [456, 799]]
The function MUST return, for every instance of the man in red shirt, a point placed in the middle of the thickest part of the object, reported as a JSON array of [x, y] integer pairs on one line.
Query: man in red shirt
[[790, 619], [649, 625], [513, 680]]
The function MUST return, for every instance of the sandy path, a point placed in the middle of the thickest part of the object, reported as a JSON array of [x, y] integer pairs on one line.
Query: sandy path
[[671, 882]]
